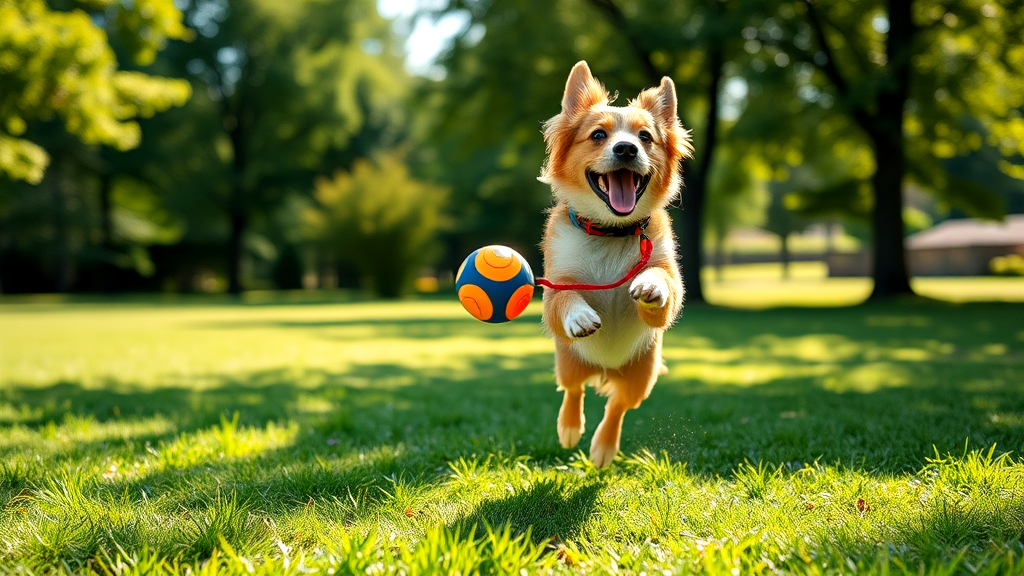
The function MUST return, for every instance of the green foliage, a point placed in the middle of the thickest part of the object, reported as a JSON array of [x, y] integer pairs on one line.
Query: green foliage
[[737, 195], [380, 220], [285, 91], [492, 165], [817, 74], [60, 64], [1010, 265]]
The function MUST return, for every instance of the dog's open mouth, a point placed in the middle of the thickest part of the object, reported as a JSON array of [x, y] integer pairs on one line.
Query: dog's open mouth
[[620, 189]]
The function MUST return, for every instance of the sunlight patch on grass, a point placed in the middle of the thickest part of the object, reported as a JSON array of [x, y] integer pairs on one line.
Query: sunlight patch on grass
[[224, 441], [769, 293], [867, 378], [767, 358], [973, 289], [747, 374]]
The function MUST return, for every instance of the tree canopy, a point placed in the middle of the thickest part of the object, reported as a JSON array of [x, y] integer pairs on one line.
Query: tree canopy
[[159, 144], [59, 64], [918, 82]]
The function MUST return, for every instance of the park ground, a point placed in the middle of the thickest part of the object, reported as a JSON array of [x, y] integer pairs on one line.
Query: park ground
[[282, 435]]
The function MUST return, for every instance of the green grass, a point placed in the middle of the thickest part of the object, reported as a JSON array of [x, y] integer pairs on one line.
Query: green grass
[[379, 438]]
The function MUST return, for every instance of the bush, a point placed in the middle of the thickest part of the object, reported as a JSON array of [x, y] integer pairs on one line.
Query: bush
[[1010, 265], [381, 221]]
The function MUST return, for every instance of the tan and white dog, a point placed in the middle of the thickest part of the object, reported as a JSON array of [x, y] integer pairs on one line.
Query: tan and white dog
[[614, 167]]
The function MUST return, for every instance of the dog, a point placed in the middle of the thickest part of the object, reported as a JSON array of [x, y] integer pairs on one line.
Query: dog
[[612, 172]]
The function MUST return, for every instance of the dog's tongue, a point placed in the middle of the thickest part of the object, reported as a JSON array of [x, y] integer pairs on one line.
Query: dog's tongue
[[622, 191]]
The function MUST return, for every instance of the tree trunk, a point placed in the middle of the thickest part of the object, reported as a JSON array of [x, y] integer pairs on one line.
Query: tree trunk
[[237, 209], [694, 190], [62, 192], [890, 266], [784, 254], [107, 267], [106, 218], [689, 226], [3, 255], [719, 255], [829, 239], [236, 251]]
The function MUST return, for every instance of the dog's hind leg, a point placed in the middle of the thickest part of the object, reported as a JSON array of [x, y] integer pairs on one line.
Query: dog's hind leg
[[571, 374], [627, 388]]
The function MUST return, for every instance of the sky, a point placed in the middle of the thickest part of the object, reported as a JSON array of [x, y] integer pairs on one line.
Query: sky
[[426, 36]]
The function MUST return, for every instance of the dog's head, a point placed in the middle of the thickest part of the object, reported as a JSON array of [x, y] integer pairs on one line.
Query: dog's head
[[614, 165]]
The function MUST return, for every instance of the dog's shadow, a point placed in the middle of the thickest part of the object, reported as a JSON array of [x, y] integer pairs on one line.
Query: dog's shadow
[[551, 508]]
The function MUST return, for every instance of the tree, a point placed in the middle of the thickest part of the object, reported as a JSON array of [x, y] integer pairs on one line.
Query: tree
[[72, 86], [697, 53], [630, 47], [737, 196], [922, 81], [59, 64], [379, 220], [287, 86]]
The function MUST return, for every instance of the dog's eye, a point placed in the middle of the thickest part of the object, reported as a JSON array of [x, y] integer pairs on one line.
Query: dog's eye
[[599, 134], [644, 136]]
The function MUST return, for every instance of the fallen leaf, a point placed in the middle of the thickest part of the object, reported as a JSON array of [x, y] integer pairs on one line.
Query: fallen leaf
[[561, 552]]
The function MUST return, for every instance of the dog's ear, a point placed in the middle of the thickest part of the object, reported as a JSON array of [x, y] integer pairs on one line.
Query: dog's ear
[[582, 91], [661, 102]]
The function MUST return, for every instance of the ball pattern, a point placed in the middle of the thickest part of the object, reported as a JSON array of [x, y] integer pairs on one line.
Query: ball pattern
[[494, 284]]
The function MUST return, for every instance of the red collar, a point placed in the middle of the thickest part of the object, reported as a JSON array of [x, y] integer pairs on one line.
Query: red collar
[[595, 230]]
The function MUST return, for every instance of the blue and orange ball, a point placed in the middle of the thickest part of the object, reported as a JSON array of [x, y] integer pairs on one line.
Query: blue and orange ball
[[494, 284]]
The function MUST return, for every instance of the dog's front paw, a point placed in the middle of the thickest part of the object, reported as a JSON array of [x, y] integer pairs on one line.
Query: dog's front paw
[[649, 290], [581, 321], [602, 454], [569, 436]]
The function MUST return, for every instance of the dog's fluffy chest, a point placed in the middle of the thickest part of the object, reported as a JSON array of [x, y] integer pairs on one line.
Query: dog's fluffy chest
[[603, 260]]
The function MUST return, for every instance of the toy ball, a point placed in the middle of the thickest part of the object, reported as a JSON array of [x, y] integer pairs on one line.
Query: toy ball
[[494, 284]]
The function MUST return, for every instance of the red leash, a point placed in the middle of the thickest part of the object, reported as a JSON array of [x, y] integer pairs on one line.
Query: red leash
[[646, 247]]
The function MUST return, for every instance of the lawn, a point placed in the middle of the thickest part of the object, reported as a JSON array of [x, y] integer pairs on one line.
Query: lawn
[[376, 438]]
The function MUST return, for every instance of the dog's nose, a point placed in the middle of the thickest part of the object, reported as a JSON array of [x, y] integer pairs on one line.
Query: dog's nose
[[624, 150]]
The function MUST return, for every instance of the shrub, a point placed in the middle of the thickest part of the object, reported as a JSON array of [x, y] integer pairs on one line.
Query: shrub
[[381, 221], [1010, 265]]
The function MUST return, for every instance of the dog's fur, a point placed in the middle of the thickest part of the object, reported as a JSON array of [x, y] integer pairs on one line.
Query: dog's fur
[[610, 337]]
